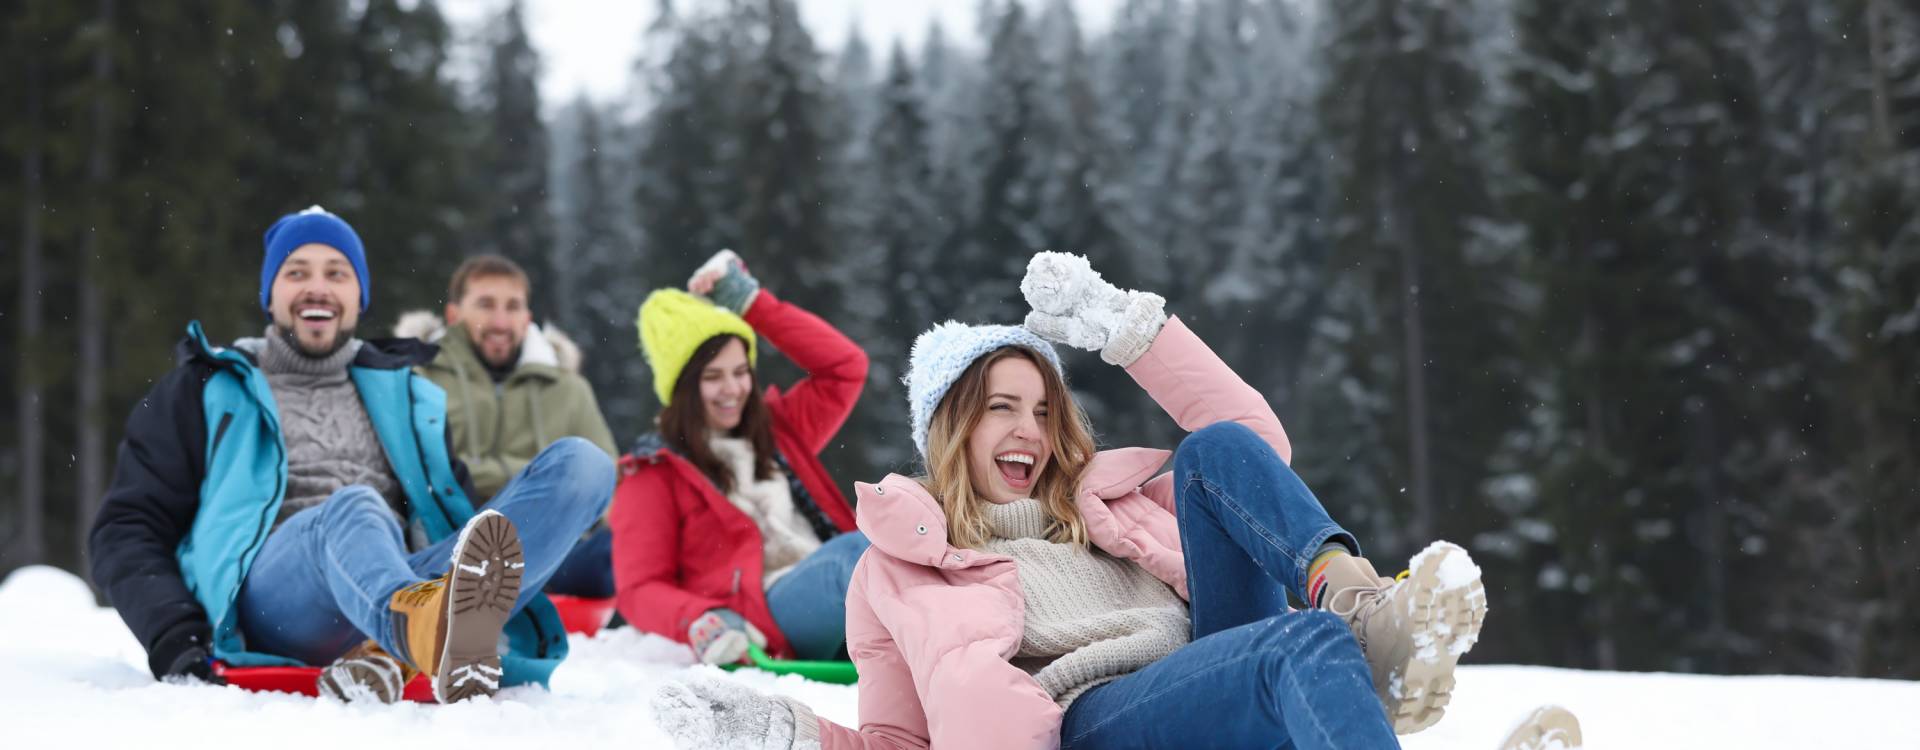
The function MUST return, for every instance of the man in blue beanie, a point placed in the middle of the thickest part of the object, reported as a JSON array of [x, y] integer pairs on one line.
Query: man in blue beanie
[[295, 499], [317, 263]]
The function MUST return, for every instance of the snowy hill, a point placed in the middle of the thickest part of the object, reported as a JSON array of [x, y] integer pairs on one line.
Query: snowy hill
[[71, 675]]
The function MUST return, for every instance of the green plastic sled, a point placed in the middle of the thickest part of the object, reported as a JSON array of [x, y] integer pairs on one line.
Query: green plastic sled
[[835, 672]]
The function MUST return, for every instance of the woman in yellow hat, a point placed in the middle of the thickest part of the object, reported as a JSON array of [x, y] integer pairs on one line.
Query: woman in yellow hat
[[727, 530]]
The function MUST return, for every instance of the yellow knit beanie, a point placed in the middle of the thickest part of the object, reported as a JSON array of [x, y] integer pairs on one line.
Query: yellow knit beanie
[[673, 324]]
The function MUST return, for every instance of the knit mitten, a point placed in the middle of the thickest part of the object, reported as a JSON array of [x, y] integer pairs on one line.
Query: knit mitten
[[721, 636], [1072, 305], [701, 713], [732, 287]]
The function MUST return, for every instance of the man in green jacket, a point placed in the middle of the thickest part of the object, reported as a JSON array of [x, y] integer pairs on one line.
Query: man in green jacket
[[512, 390]]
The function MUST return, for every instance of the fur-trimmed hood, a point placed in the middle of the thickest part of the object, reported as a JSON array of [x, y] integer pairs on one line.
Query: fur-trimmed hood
[[544, 345]]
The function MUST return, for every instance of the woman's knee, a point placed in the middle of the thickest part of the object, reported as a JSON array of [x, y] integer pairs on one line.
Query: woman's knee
[[1227, 449], [1228, 440]]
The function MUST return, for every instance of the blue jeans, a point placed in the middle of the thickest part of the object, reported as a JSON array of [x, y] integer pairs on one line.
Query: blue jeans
[[322, 581], [809, 603], [588, 570], [1256, 674]]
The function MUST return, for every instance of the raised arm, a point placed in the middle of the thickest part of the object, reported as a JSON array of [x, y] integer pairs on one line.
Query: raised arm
[[1072, 305], [1197, 388], [816, 406]]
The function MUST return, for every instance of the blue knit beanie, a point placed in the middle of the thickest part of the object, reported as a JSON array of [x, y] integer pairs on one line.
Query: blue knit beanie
[[944, 352], [312, 226]]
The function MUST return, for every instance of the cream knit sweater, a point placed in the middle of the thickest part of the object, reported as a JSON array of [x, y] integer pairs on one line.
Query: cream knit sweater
[[785, 536], [1091, 617]]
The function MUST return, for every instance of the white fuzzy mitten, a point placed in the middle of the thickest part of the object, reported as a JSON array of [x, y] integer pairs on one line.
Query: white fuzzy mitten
[[1072, 305], [708, 713]]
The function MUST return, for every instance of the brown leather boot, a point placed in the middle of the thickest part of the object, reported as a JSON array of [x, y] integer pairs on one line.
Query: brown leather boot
[[1412, 630], [449, 627], [367, 673]]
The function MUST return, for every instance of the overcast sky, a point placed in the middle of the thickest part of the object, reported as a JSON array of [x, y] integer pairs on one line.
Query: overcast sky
[[589, 45]]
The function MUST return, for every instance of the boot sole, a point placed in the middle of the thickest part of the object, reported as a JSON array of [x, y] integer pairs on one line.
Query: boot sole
[[1449, 604], [361, 680], [1547, 728], [487, 567]]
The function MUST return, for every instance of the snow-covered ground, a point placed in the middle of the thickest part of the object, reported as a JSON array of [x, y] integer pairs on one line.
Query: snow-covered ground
[[72, 676]]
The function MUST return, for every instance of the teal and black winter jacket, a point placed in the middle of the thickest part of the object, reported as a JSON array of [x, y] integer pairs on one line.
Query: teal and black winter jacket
[[200, 477]]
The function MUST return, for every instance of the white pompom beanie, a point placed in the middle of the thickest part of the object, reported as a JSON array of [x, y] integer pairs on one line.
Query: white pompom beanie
[[945, 351]]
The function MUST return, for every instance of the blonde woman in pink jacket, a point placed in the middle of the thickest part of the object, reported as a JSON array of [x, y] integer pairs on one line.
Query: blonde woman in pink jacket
[[1030, 592]]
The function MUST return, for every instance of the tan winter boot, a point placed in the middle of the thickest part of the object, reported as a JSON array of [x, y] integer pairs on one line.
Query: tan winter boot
[[449, 627], [1412, 630], [367, 673], [1547, 728]]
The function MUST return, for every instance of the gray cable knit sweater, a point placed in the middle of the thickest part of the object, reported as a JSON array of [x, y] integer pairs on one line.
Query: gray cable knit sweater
[[1091, 617], [330, 440]]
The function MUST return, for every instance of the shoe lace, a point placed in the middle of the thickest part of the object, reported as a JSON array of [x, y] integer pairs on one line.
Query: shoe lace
[[1360, 605], [1357, 604]]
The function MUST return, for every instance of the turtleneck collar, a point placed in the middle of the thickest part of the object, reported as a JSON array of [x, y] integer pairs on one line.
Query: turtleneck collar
[[1025, 518], [281, 358]]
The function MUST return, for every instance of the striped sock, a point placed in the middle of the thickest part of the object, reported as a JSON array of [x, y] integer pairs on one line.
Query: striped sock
[[1317, 573]]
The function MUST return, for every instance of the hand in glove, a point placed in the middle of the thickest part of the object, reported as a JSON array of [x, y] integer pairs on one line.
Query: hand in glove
[[724, 279], [183, 659], [1072, 305], [721, 636], [703, 713]]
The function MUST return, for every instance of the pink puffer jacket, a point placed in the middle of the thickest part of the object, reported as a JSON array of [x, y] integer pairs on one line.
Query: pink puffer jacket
[[932, 626]]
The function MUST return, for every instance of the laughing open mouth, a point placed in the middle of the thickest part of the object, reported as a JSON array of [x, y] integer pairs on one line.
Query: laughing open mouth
[[1016, 467]]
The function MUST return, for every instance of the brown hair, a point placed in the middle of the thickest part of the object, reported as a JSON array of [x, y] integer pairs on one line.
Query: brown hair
[[949, 476], [683, 423], [480, 267]]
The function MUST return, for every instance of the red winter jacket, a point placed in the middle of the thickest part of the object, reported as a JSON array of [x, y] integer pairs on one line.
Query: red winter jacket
[[679, 547]]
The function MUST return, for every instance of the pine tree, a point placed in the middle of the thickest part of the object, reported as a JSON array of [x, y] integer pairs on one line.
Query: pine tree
[[685, 191], [1396, 112], [407, 185], [601, 282], [1877, 317], [910, 223], [786, 158], [1133, 82], [1001, 227], [909, 228], [517, 221]]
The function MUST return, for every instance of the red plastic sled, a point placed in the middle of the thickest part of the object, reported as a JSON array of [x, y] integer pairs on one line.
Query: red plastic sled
[[303, 681], [577, 615], [583, 616]]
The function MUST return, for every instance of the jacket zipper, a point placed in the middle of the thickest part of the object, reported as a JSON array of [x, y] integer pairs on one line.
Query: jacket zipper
[[499, 424], [219, 434], [263, 524], [420, 451]]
